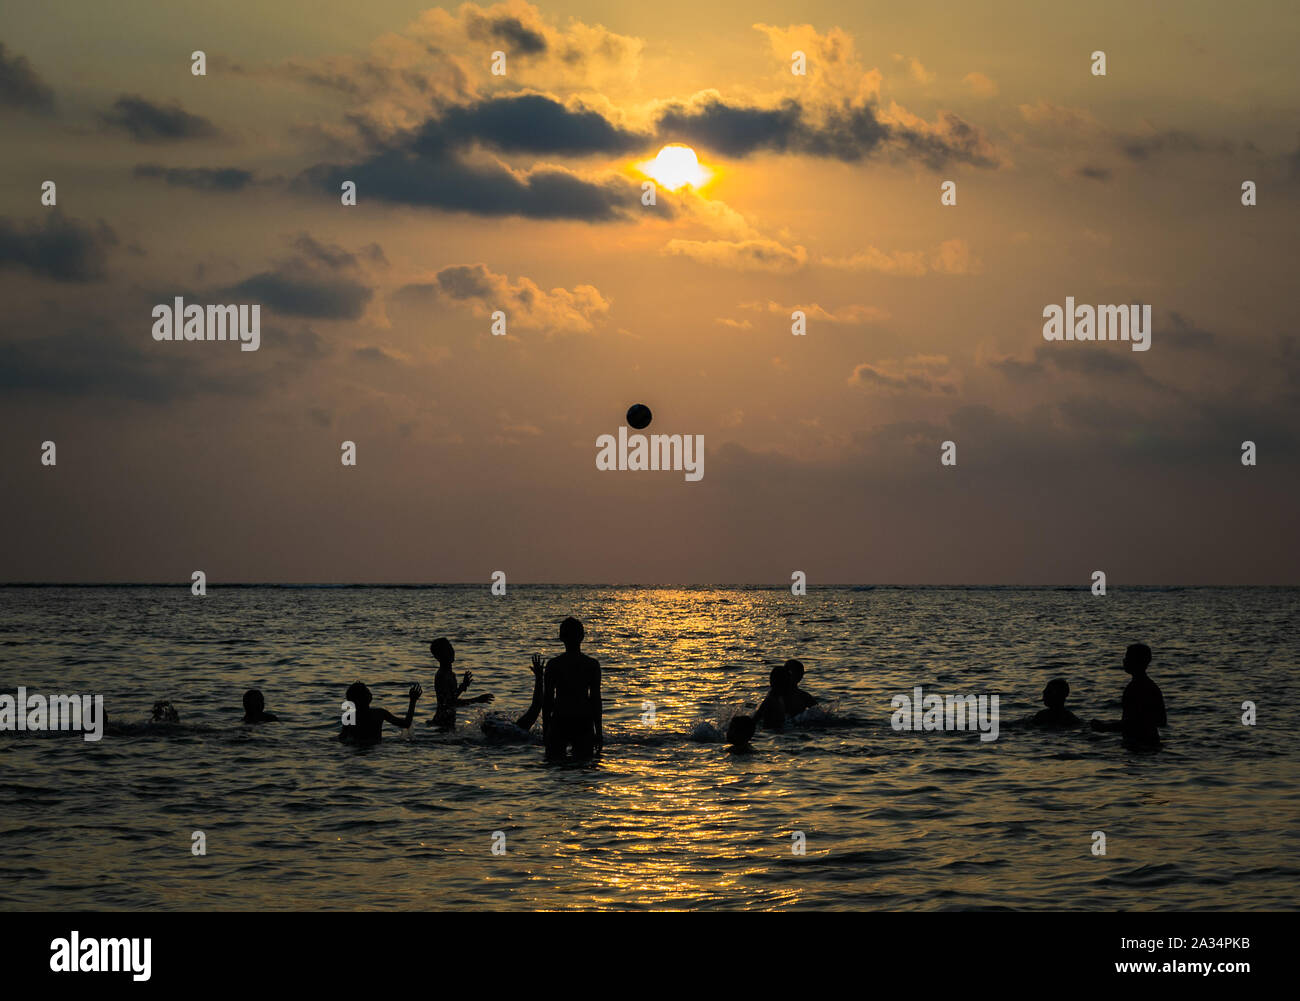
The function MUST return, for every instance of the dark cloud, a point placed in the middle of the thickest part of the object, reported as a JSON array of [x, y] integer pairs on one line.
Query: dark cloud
[[149, 122], [199, 178], [295, 291], [734, 131], [321, 281], [20, 85], [331, 255], [86, 362], [58, 248], [1102, 174], [1174, 141], [518, 37], [442, 181], [849, 133], [531, 123]]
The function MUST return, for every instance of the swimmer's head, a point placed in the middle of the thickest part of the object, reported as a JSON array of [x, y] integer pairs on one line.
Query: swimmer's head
[[442, 650], [165, 712], [359, 695], [1056, 692], [795, 670], [1136, 658], [779, 679], [740, 730], [572, 633], [254, 704]]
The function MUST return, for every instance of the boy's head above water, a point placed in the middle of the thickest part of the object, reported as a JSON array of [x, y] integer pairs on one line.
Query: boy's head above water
[[1136, 658], [254, 703], [795, 670], [779, 679], [740, 730], [572, 633], [1056, 692], [359, 695], [442, 650]]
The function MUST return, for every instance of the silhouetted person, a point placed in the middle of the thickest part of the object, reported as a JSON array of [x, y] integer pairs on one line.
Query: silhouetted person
[[771, 711], [445, 687], [796, 700], [255, 708], [499, 726], [740, 731], [165, 712], [369, 726], [571, 706], [1056, 716], [1144, 705]]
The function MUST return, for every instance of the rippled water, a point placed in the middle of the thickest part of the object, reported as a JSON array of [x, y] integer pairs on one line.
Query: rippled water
[[668, 817]]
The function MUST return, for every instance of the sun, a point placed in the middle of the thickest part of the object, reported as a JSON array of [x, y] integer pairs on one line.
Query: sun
[[676, 166]]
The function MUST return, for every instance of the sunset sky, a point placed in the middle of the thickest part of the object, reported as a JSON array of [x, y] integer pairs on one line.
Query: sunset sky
[[522, 193]]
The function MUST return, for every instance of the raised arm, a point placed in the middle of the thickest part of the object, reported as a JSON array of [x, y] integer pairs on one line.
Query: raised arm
[[405, 722], [526, 721]]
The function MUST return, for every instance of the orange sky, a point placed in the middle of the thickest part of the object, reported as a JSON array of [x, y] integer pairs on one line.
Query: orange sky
[[521, 193]]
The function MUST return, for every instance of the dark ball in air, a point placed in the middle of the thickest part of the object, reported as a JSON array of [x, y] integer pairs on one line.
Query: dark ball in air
[[638, 416]]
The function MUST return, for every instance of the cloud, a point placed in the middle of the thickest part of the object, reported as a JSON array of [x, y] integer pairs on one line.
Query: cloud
[[835, 74], [952, 257], [198, 178], [1143, 147], [740, 255], [58, 248], [852, 314], [1102, 174], [533, 123], [980, 85], [21, 86], [524, 302], [147, 122], [846, 132], [915, 71], [319, 282], [441, 58], [441, 181], [920, 373], [86, 362]]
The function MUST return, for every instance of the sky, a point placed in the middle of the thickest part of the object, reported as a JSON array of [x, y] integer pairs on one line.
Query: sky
[[524, 192]]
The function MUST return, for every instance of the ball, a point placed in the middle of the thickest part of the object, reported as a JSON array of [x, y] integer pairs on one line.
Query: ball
[[638, 416]]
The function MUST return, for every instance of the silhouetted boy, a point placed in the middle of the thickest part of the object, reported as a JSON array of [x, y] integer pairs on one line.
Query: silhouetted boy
[[1056, 716], [1144, 705], [571, 706], [797, 700], [369, 726], [771, 711], [445, 687], [255, 708]]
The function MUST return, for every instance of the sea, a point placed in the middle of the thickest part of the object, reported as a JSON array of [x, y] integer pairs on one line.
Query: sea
[[840, 811]]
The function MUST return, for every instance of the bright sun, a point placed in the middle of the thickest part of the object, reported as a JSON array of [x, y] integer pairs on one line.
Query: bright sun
[[675, 167]]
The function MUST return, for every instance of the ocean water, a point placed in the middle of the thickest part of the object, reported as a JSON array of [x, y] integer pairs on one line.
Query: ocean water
[[667, 817]]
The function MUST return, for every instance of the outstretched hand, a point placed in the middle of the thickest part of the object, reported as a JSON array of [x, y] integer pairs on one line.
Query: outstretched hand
[[539, 664], [484, 698], [465, 680], [416, 692]]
